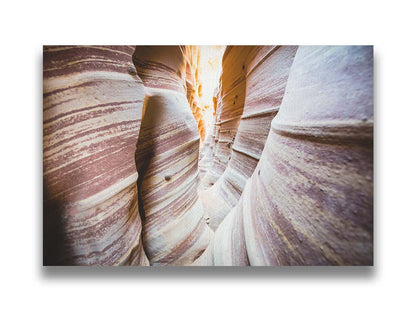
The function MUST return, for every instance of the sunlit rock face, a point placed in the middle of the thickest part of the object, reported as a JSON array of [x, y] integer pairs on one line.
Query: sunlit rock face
[[193, 84], [174, 231], [310, 198], [203, 67], [92, 105], [229, 108]]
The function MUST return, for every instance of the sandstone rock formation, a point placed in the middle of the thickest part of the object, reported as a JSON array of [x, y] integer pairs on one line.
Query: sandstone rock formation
[[174, 232], [193, 87], [229, 108], [310, 199], [249, 112], [91, 119], [284, 177]]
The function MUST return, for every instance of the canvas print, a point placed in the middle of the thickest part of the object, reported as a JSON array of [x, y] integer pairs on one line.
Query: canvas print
[[208, 155]]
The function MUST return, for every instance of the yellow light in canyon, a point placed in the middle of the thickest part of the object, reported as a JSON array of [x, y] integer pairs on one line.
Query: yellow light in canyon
[[209, 71], [203, 70]]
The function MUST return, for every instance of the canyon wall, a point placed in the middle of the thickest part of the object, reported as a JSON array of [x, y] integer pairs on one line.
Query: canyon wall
[[193, 87], [310, 198], [174, 231], [284, 177], [249, 101], [92, 107]]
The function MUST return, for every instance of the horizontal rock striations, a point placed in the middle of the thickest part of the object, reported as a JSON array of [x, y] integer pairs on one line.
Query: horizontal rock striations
[[174, 232], [193, 87], [266, 70], [284, 177], [92, 103], [310, 199]]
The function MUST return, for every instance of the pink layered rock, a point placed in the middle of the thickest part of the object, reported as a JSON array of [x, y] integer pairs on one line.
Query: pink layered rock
[[174, 232], [267, 70], [310, 199], [91, 118], [230, 104], [287, 166]]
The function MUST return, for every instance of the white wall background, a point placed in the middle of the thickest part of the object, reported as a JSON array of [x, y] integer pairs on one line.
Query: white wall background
[[27, 25]]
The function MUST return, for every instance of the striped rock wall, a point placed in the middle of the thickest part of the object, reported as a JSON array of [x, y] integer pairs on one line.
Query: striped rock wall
[[174, 231], [267, 70], [291, 156], [310, 199], [193, 87], [92, 105], [230, 104]]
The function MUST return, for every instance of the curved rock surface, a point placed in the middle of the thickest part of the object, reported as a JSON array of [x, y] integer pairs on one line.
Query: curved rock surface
[[92, 103], [193, 87], [310, 199], [287, 166], [174, 232], [267, 70], [229, 108]]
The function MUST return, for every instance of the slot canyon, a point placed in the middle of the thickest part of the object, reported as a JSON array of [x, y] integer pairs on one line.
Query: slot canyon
[[208, 155]]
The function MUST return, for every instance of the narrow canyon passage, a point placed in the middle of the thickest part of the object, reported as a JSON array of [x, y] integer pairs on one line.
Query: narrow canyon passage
[[193, 155]]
